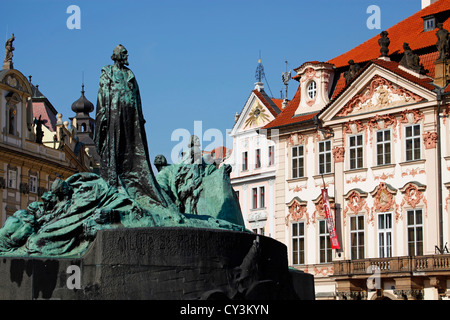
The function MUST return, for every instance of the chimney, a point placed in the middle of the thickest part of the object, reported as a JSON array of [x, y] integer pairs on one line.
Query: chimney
[[426, 3]]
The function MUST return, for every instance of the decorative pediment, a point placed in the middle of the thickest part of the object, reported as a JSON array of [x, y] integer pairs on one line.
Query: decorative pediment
[[16, 80], [257, 116], [378, 94], [413, 195], [256, 113], [297, 210], [383, 196], [356, 204]]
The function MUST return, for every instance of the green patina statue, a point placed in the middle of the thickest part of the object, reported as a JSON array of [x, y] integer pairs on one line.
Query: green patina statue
[[126, 194]]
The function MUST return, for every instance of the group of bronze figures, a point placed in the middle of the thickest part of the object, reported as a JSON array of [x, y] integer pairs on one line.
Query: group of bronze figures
[[126, 193]]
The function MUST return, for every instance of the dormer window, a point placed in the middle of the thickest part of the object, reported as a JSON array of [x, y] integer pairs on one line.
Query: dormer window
[[429, 23], [312, 90]]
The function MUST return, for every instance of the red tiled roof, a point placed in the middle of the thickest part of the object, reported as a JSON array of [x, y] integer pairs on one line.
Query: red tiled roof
[[264, 99], [287, 115], [389, 65], [409, 30], [278, 102], [49, 118]]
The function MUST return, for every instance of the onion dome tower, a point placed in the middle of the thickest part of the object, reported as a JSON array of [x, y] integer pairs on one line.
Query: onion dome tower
[[83, 121], [85, 124]]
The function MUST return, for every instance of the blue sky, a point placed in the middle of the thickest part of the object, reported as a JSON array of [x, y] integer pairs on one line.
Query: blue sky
[[193, 60]]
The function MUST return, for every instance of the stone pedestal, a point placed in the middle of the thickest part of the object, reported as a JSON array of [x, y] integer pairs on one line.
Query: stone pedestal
[[442, 73], [161, 263]]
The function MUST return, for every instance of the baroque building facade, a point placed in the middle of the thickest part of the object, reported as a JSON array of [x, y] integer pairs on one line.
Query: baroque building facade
[[36, 147], [371, 127]]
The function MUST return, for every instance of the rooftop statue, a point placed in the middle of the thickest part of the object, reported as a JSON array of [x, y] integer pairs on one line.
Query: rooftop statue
[[353, 69], [384, 44], [411, 60], [8, 64], [443, 42], [126, 194]]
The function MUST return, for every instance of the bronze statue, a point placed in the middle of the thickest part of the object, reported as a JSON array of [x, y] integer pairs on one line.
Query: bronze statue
[[39, 131], [120, 134], [442, 43]]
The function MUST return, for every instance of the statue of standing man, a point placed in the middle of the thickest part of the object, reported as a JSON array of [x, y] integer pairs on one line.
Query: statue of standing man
[[8, 64], [120, 134]]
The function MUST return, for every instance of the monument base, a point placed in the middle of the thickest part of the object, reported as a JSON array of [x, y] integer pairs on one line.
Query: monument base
[[161, 263]]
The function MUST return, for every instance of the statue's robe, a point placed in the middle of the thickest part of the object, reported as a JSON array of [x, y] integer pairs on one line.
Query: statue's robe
[[120, 137]]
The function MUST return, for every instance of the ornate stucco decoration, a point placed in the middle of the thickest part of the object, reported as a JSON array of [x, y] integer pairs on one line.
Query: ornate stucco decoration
[[297, 211], [384, 121], [378, 94], [430, 140], [338, 154], [319, 212], [411, 116], [355, 204], [413, 195], [383, 198], [297, 139]]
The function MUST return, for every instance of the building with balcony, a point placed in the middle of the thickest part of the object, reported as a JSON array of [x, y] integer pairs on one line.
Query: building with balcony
[[371, 126]]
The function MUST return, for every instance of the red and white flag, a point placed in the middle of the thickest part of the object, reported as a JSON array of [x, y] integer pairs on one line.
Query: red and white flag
[[331, 229]]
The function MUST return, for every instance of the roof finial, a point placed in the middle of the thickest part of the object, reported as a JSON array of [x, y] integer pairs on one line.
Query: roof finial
[[82, 83], [286, 76], [259, 69]]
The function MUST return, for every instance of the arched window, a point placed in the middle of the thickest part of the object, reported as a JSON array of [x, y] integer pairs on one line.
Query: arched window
[[312, 90]]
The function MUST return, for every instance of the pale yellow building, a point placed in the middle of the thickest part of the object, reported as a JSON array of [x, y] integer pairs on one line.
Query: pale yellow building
[[28, 168]]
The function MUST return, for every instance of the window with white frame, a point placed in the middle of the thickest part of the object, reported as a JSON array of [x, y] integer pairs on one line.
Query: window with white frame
[[383, 147], [357, 237], [257, 158], [298, 162], [324, 157], [33, 182], [12, 179], [298, 243], [258, 198], [415, 232], [271, 155], [356, 151], [429, 24], [325, 251], [385, 234], [311, 90], [412, 141]]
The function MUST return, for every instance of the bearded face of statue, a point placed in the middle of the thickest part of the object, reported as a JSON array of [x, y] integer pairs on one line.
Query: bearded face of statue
[[120, 55]]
